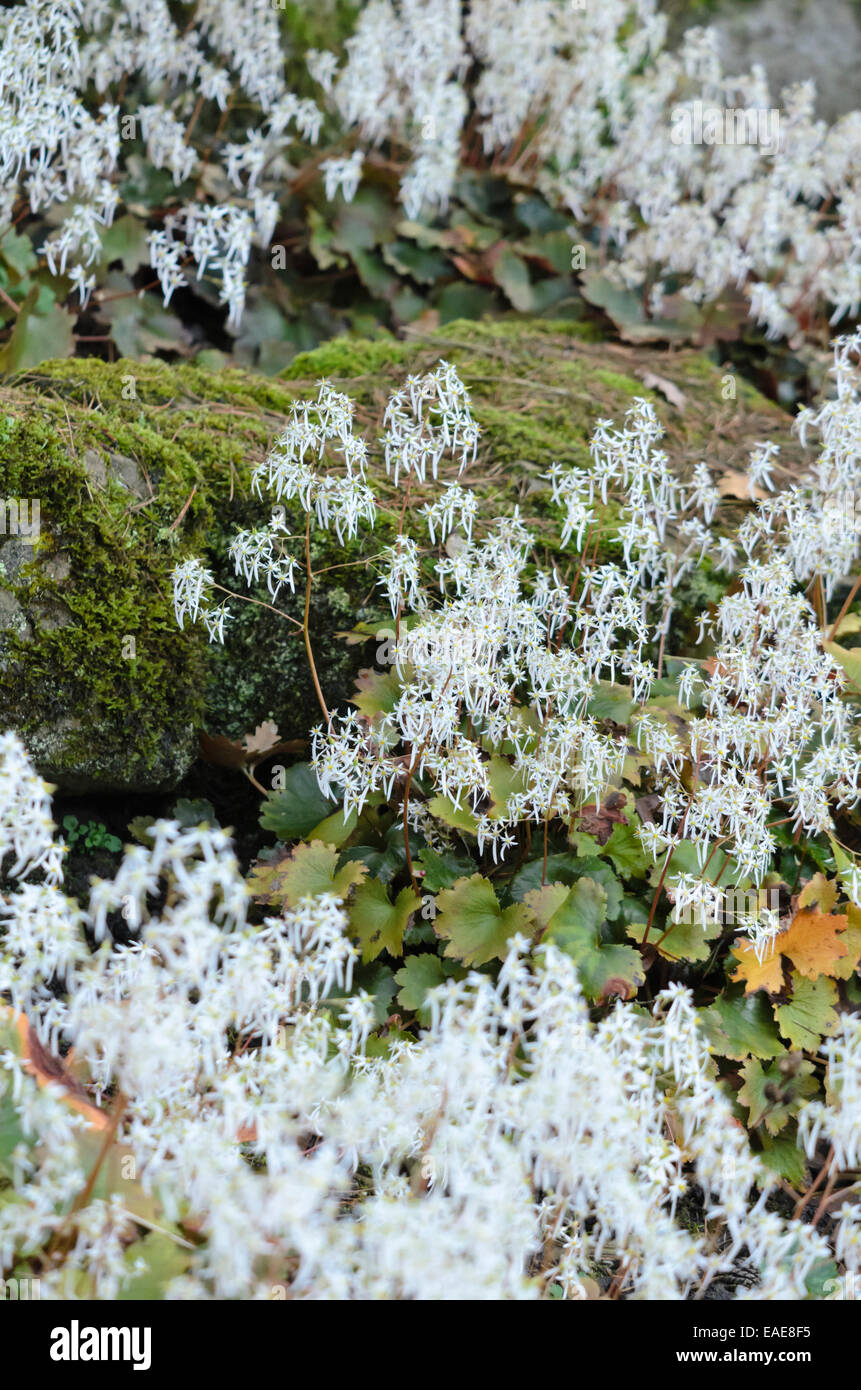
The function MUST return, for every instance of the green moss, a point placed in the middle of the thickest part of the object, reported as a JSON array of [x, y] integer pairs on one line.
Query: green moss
[[533, 443], [618, 382], [140, 464], [347, 356], [93, 647]]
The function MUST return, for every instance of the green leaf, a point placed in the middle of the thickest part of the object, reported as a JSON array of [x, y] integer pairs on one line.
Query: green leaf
[[504, 781], [823, 1279], [37, 337], [139, 322], [555, 248], [379, 923], [457, 817], [625, 308], [378, 981], [605, 968], [140, 829], [375, 274], [335, 830], [193, 813], [848, 659], [567, 868], [11, 1130], [442, 870], [476, 928], [773, 1097], [321, 242], [377, 692], [423, 265], [737, 1026], [684, 940], [810, 1014], [298, 807], [685, 860], [626, 852], [306, 873], [611, 702], [464, 301], [164, 1259], [364, 223], [16, 252], [560, 868], [783, 1157], [511, 273], [539, 216], [416, 976], [543, 902], [382, 862], [380, 1045], [125, 241], [585, 846]]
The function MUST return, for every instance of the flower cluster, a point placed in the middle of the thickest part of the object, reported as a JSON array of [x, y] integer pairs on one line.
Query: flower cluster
[[60, 154], [502, 1154], [492, 721], [582, 102]]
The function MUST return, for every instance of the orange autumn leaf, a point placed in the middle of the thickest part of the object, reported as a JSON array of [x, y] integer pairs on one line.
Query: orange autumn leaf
[[766, 974], [49, 1070], [813, 942]]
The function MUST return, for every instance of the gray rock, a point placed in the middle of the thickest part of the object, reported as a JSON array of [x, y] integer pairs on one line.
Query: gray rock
[[118, 467], [793, 40]]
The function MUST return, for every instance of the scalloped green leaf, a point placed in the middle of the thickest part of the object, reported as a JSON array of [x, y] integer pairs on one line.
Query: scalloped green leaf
[[299, 807], [378, 922], [810, 1015], [604, 967], [416, 976], [737, 1026], [772, 1097], [442, 870], [471, 921], [626, 852], [37, 336], [308, 872], [457, 817]]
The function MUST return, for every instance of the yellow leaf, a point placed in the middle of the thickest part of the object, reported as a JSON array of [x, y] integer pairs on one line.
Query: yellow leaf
[[819, 892], [852, 940]]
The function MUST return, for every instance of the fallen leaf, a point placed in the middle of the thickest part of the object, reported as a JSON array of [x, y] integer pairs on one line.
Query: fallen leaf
[[50, 1070], [666, 388], [812, 942], [226, 752], [264, 738], [735, 484], [600, 822]]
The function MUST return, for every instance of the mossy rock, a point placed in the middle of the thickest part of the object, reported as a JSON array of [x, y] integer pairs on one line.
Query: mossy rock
[[136, 465]]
